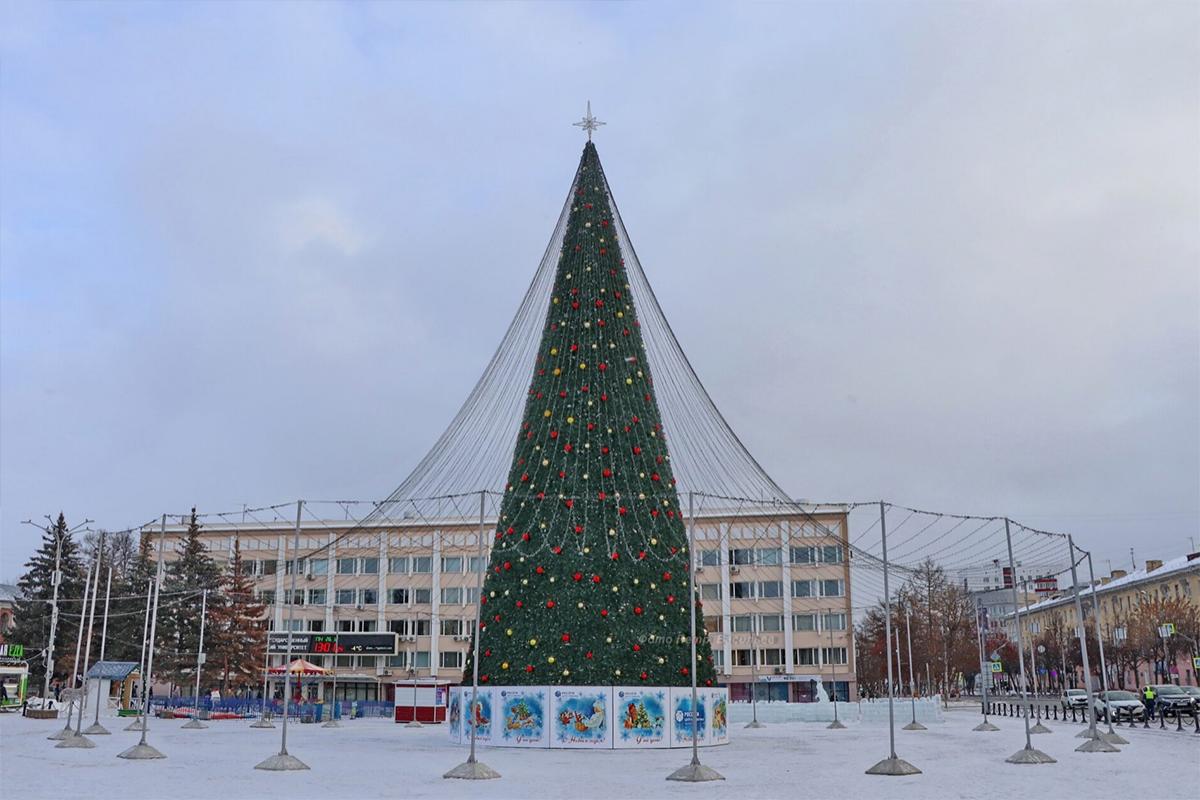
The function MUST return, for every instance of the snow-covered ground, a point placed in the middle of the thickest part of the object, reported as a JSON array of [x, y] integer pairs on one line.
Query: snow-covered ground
[[377, 758]]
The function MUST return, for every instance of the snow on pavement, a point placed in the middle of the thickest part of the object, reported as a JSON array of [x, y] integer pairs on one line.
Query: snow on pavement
[[378, 759]]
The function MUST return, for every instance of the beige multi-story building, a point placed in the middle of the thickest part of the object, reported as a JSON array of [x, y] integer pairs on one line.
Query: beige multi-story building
[[775, 587]]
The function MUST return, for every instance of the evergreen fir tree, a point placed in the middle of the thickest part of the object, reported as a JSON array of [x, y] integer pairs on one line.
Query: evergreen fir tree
[[238, 632], [32, 611], [588, 578], [192, 571]]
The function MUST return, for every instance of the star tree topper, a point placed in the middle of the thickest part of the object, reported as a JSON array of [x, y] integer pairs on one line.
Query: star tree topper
[[588, 123]]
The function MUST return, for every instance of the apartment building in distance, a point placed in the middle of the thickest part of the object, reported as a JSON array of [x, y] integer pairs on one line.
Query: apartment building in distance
[[775, 588]]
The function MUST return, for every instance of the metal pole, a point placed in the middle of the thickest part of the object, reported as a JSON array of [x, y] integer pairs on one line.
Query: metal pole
[[55, 579], [96, 728], [891, 765], [66, 732], [1028, 755], [332, 721], [136, 723], [142, 750], [87, 650], [753, 723], [1111, 736], [472, 769], [195, 723], [1095, 743], [912, 681], [836, 724], [694, 772], [985, 676], [282, 761]]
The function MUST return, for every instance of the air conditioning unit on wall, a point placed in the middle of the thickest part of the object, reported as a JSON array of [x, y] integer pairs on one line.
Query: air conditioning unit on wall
[[779, 670]]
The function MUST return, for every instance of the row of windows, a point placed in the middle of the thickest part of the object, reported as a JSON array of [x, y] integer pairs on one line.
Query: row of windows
[[773, 556], [447, 659], [774, 657], [450, 595], [748, 590], [773, 623], [402, 627], [366, 565]]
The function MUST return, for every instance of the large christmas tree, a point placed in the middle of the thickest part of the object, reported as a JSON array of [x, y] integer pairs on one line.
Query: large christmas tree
[[588, 578]]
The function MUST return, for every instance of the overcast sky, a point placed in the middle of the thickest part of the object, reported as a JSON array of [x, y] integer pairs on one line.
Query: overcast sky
[[942, 253]]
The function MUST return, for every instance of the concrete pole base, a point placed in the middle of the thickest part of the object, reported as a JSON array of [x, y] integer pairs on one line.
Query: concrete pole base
[[472, 771], [262, 722], [333, 723], [985, 726], [1028, 755], [65, 733], [1112, 737], [695, 772], [141, 752], [914, 726], [194, 725], [281, 762], [78, 740], [1040, 728], [136, 725], [414, 724], [96, 730], [836, 725], [893, 766], [1096, 745], [1086, 733], [754, 724]]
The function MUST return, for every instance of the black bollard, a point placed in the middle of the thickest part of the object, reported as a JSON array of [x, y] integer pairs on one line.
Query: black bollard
[[1196, 717], [1056, 713], [1178, 720], [1072, 713], [1162, 718]]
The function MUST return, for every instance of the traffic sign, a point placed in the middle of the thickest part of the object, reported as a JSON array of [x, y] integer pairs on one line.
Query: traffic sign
[[1196, 663], [997, 666]]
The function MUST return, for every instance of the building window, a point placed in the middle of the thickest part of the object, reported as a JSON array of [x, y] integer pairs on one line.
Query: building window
[[452, 627], [833, 622], [710, 558], [833, 588], [452, 659], [398, 565], [318, 566], [369, 597], [803, 555], [420, 627], [740, 623], [452, 595], [771, 656], [769, 557], [770, 623], [267, 597], [804, 589], [421, 659], [741, 557], [345, 626], [804, 656], [710, 591], [452, 564], [477, 563], [370, 566], [804, 622], [399, 660], [422, 564], [316, 597], [770, 589], [399, 597], [742, 590], [345, 597], [347, 566], [316, 624], [831, 554], [289, 565], [422, 596], [833, 655], [472, 595], [712, 624], [269, 566], [398, 627], [367, 625], [718, 658], [741, 658]]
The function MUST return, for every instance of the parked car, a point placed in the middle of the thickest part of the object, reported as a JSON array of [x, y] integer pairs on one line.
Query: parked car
[[1194, 693], [1124, 705], [1172, 699], [1074, 698]]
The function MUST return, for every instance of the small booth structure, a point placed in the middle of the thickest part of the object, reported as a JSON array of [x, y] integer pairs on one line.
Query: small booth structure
[[125, 675], [14, 677], [298, 670], [427, 698]]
